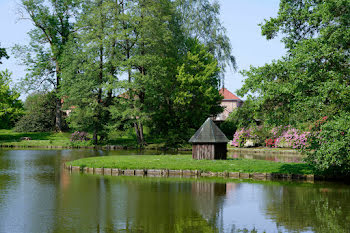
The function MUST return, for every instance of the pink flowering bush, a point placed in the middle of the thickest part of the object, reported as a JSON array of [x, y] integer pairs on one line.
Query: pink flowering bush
[[240, 137], [257, 134], [286, 136], [277, 137]]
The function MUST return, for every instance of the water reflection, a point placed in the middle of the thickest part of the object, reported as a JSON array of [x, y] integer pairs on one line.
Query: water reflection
[[275, 157], [36, 195], [323, 208]]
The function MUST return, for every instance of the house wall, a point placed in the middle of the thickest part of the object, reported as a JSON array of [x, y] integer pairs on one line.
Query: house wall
[[229, 106]]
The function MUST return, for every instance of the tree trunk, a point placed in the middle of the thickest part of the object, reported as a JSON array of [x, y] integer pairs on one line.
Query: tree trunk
[[58, 120], [94, 137], [137, 132], [142, 140]]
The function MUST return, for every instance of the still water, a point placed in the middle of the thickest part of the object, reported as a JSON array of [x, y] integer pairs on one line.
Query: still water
[[36, 195], [275, 157]]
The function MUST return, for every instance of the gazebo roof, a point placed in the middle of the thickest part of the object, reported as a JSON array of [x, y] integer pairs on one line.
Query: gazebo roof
[[209, 133]]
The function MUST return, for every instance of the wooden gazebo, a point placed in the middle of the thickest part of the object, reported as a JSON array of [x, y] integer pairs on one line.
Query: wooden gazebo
[[209, 142]]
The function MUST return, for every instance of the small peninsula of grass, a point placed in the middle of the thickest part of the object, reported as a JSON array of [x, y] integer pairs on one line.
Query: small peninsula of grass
[[185, 162]]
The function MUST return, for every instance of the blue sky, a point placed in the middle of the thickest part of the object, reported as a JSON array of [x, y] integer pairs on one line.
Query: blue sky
[[240, 17]]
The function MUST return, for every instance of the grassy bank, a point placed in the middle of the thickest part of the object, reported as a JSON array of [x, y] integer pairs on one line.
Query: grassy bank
[[185, 162], [9, 138], [40, 139]]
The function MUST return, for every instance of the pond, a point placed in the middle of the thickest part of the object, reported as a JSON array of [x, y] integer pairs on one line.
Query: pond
[[271, 156], [36, 195]]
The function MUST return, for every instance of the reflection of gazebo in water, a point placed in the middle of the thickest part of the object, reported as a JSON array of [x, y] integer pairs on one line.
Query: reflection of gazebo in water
[[209, 142]]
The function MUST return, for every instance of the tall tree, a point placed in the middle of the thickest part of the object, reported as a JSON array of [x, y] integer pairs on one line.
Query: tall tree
[[200, 19], [53, 22], [312, 80], [145, 40], [91, 67]]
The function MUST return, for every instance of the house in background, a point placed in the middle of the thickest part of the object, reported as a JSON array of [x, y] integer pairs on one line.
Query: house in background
[[230, 102]]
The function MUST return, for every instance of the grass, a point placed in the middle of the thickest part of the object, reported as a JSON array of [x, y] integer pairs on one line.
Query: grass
[[40, 139], [53, 139], [185, 162]]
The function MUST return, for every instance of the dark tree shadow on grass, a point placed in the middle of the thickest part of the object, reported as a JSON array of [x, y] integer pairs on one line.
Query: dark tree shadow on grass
[[299, 168], [16, 137]]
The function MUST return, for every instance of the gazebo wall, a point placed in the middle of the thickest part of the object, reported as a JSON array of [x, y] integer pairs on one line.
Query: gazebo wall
[[209, 151]]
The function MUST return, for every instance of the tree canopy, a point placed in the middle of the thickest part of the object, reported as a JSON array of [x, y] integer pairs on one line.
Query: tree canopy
[[136, 63], [10, 106], [312, 79], [53, 21], [3, 53]]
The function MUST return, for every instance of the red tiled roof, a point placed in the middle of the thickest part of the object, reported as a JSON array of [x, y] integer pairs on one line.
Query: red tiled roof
[[228, 95]]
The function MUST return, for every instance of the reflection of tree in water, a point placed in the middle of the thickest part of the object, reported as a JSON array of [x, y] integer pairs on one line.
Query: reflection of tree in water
[[299, 208], [163, 206], [130, 204], [208, 199]]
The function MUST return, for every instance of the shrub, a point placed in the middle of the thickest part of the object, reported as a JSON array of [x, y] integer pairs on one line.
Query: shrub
[[286, 136], [78, 139], [40, 113], [270, 142], [329, 145], [240, 137], [227, 127], [79, 136], [257, 134]]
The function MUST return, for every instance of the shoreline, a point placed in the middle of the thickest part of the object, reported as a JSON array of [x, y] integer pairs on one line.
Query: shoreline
[[254, 150], [184, 165], [193, 174]]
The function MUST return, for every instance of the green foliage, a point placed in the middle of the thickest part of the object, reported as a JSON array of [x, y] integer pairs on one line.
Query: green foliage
[[200, 19], [11, 108], [80, 139], [3, 53], [53, 21], [129, 64], [311, 80], [39, 139], [40, 113], [228, 128], [179, 113], [242, 117], [246, 115], [329, 148]]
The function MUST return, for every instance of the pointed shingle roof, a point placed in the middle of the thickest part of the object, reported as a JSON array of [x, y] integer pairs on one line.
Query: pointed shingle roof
[[208, 133]]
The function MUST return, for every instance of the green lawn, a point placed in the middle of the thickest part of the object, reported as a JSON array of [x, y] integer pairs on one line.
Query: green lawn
[[185, 162], [48, 139], [41, 139]]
